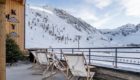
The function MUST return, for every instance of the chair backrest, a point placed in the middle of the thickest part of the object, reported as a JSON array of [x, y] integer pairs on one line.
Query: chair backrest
[[42, 58], [35, 55], [76, 63], [57, 63]]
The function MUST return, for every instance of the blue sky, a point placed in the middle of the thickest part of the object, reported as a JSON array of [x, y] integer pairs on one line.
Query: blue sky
[[102, 14]]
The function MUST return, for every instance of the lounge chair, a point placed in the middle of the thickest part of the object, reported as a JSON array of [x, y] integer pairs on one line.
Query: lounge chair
[[78, 66], [41, 62], [56, 63], [35, 65]]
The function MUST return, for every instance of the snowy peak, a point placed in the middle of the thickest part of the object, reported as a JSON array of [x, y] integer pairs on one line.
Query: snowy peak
[[127, 35], [124, 30]]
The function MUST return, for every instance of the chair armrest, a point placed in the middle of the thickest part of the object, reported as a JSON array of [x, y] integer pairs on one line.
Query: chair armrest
[[89, 66]]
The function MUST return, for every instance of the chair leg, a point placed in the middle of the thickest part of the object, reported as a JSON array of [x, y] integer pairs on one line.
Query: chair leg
[[46, 70], [91, 78], [69, 78], [79, 78], [65, 75], [87, 78], [52, 72], [67, 71]]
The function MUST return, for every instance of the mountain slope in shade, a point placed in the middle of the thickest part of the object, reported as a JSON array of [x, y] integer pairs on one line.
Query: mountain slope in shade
[[51, 27], [127, 35]]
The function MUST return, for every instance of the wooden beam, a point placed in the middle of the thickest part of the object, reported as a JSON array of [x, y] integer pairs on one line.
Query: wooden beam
[[21, 1], [2, 1], [2, 43]]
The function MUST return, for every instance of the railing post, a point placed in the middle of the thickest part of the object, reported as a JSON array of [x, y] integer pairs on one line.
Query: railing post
[[72, 50], [46, 50], [52, 49], [61, 54], [89, 56], [116, 56]]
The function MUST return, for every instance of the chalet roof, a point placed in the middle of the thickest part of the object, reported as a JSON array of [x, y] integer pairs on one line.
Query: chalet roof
[[22, 1], [2, 1]]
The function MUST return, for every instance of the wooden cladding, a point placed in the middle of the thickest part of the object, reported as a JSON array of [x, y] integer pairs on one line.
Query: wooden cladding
[[11, 14], [2, 43], [15, 21], [20, 1], [2, 1]]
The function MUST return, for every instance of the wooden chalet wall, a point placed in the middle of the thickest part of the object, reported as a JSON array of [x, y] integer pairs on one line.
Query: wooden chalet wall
[[2, 42], [11, 20], [15, 21]]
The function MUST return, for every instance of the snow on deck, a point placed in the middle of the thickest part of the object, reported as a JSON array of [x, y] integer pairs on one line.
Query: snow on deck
[[22, 72]]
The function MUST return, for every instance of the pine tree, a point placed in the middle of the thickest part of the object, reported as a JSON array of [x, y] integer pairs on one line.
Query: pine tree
[[13, 52]]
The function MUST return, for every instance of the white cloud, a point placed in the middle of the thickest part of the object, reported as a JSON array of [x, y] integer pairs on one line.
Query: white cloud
[[84, 13], [101, 23], [89, 16], [132, 7], [93, 20], [99, 3]]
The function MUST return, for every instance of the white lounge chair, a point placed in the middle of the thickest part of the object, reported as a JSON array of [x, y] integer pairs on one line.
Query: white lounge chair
[[78, 66], [41, 62], [35, 63], [56, 63], [40, 58], [34, 55]]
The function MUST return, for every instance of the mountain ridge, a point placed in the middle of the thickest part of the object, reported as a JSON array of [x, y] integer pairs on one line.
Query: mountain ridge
[[52, 27], [128, 35]]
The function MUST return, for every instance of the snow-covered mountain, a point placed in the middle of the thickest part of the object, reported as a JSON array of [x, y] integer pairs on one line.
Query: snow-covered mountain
[[51, 27], [127, 35]]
